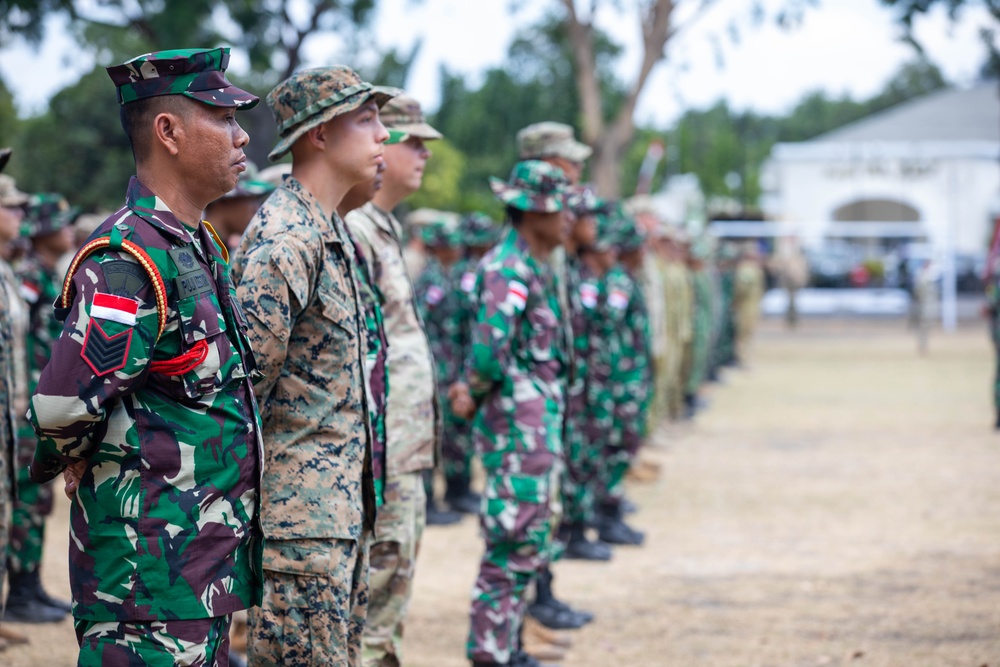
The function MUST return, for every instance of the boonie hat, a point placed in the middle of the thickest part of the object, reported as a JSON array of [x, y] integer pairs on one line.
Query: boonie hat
[[312, 97], [478, 229], [47, 213], [533, 186], [196, 73], [549, 139], [10, 196], [403, 117]]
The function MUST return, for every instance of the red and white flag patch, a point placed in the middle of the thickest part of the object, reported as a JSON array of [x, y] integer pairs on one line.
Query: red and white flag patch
[[434, 295], [517, 295], [468, 281], [588, 295], [114, 308], [618, 299], [30, 292]]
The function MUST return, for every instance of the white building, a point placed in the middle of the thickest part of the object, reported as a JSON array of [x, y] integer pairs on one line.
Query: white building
[[927, 169]]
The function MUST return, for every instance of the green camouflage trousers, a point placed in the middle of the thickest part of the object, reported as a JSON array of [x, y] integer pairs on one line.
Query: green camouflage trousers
[[315, 599], [398, 530], [199, 643], [27, 520], [519, 525]]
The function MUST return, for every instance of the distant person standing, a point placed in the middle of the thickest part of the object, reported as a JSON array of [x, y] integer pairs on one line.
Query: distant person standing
[[748, 290]]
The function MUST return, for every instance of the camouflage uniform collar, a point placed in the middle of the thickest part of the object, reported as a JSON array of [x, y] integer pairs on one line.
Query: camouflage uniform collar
[[520, 245], [384, 219], [144, 203], [327, 225]]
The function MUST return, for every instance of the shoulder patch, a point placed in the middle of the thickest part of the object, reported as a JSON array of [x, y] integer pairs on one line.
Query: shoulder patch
[[618, 299], [29, 291], [434, 295], [124, 278], [588, 295], [517, 295], [468, 281]]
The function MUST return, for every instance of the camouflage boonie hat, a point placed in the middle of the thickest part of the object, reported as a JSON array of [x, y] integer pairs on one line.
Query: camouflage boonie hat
[[196, 73], [442, 232], [550, 139], [628, 235], [478, 229], [312, 97], [583, 200], [403, 118], [10, 196], [47, 213], [533, 186]]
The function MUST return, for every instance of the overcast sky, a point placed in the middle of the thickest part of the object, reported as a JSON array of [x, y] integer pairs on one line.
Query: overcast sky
[[842, 46]]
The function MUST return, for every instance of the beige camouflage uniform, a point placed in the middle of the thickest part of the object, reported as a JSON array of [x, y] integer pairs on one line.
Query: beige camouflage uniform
[[296, 278]]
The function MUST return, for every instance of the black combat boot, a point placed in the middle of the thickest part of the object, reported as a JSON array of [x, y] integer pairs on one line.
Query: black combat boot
[[46, 599], [578, 547], [460, 497], [614, 530], [23, 605], [690, 406], [552, 613], [440, 517]]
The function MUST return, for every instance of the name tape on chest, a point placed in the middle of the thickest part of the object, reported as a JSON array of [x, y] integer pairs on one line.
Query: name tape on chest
[[517, 295], [114, 308]]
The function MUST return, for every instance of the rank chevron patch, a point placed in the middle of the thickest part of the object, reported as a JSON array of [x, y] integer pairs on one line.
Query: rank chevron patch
[[103, 353]]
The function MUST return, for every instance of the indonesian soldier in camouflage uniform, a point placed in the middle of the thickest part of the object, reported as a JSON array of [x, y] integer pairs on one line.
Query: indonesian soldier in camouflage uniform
[[479, 234], [13, 381], [440, 306], [298, 283], [701, 323], [412, 423], [516, 376], [631, 381], [47, 223], [147, 402]]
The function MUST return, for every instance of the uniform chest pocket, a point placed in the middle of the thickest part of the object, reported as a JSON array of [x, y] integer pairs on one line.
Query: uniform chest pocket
[[392, 277], [544, 331], [208, 361]]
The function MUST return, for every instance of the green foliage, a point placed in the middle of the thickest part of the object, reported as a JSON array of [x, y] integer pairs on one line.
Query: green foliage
[[8, 116], [78, 148]]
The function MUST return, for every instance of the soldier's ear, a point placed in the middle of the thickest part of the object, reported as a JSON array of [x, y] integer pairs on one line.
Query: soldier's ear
[[316, 136], [167, 131]]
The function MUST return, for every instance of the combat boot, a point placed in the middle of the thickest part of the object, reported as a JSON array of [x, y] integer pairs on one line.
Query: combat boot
[[22, 604], [614, 530], [42, 596], [578, 547], [522, 659], [460, 497], [552, 613], [440, 517]]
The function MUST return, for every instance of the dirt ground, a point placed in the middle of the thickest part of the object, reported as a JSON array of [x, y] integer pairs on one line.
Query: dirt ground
[[837, 504]]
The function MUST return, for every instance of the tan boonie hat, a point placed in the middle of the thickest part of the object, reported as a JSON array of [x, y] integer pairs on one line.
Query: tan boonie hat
[[9, 194], [403, 114], [548, 139], [312, 97]]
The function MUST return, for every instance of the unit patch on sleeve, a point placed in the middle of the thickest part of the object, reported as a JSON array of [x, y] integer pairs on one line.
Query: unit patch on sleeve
[[124, 278]]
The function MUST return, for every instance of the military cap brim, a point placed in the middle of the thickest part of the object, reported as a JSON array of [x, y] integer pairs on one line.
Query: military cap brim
[[326, 110]]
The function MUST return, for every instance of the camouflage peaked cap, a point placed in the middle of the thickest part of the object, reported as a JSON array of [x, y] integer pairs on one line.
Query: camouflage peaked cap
[[4, 157], [550, 139], [47, 213], [533, 186], [315, 96], [196, 73], [478, 229], [403, 118]]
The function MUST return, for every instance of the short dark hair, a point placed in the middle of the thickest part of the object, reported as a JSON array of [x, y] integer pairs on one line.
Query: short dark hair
[[136, 118], [515, 215]]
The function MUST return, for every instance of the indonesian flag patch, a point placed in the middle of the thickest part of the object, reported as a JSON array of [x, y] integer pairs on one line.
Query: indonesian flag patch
[[434, 295], [30, 292], [618, 299], [113, 308], [517, 295], [468, 281], [588, 295]]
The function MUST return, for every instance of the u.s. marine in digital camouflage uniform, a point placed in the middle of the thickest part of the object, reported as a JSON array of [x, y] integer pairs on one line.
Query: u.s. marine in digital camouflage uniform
[[47, 222], [147, 398], [516, 374], [299, 285]]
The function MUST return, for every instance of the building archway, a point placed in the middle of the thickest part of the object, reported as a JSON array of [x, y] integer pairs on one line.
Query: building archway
[[876, 210]]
